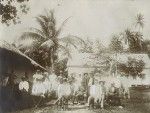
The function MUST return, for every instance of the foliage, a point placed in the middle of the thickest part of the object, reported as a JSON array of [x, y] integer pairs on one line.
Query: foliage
[[87, 46], [10, 9], [132, 67], [146, 46], [116, 44], [99, 47], [134, 39], [61, 66]]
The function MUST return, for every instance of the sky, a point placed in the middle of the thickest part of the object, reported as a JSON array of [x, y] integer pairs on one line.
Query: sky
[[95, 19]]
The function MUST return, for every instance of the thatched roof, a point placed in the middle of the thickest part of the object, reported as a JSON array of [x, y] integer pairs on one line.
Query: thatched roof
[[5, 45]]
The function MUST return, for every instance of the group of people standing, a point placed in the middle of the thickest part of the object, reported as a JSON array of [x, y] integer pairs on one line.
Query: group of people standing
[[75, 87]]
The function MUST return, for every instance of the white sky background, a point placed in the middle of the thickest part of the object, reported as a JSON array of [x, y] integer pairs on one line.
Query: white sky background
[[96, 19]]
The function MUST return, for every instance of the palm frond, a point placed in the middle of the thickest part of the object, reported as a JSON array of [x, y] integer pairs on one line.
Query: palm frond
[[51, 16], [139, 20], [43, 26], [38, 31], [31, 35], [68, 41], [77, 39], [48, 44], [64, 50], [34, 45], [61, 27], [50, 23], [72, 40]]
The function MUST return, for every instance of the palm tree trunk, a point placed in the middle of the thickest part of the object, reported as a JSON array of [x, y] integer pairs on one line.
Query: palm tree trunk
[[51, 58]]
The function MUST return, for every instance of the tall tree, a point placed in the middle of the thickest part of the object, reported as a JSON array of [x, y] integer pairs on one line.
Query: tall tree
[[46, 38]]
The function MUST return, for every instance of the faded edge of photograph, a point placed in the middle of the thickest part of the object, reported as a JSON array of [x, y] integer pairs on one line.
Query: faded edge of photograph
[[74, 56]]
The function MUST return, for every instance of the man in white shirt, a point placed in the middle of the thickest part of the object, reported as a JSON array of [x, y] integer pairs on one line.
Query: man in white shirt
[[24, 85]]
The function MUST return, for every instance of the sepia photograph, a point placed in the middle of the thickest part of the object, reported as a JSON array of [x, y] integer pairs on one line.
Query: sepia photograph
[[74, 56]]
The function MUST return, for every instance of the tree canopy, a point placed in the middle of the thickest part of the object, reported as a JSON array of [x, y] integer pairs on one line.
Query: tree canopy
[[132, 67], [10, 9]]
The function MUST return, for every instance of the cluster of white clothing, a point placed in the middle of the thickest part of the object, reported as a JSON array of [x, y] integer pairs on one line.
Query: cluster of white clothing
[[49, 84]]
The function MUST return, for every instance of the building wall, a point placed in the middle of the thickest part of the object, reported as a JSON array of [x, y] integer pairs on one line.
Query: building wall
[[79, 70]]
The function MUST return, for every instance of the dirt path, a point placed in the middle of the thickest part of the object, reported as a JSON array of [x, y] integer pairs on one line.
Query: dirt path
[[129, 108]]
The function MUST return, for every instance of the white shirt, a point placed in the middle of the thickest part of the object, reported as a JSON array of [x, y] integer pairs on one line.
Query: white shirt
[[96, 91], [53, 81], [24, 85]]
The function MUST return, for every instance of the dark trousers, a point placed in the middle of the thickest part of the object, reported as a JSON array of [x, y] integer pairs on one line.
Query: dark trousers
[[114, 100]]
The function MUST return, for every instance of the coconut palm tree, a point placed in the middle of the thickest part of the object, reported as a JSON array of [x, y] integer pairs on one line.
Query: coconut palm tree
[[46, 37], [139, 21], [133, 38]]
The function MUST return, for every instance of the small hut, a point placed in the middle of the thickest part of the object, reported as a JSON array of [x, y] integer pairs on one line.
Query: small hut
[[14, 64], [14, 61]]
